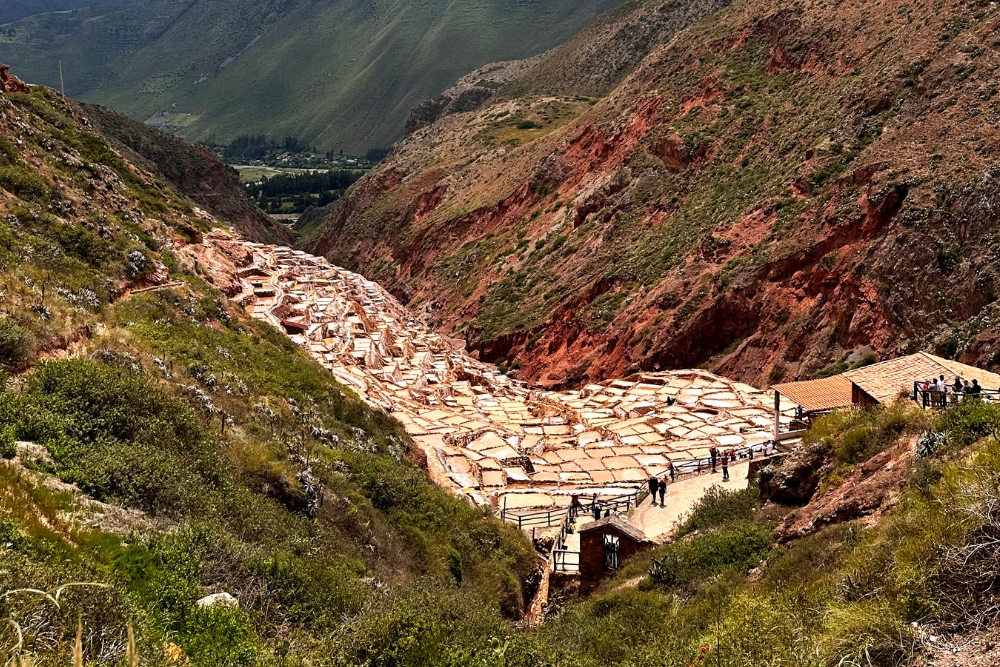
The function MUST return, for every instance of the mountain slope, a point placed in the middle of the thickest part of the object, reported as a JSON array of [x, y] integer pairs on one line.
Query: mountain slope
[[336, 73], [194, 170], [770, 190], [158, 446], [593, 63], [13, 10]]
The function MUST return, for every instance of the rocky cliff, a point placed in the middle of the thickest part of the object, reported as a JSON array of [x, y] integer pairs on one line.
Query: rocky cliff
[[771, 188]]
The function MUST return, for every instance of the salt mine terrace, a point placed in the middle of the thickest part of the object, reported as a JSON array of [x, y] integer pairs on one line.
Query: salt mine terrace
[[485, 435]]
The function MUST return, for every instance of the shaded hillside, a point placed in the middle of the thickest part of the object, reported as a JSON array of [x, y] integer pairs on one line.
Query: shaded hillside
[[772, 189], [338, 74], [13, 10], [158, 446], [195, 170], [594, 62]]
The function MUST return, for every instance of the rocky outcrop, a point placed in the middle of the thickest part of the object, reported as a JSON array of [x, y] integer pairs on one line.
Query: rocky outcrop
[[10, 83], [872, 487], [795, 480]]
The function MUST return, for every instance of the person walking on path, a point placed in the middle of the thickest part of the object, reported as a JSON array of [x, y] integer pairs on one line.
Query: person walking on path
[[673, 473], [654, 484], [595, 507], [725, 466], [663, 491], [575, 507], [714, 453]]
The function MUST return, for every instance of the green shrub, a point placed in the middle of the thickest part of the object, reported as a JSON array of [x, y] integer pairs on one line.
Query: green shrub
[[969, 421], [9, 155], [16, 344], [856, 435], [736, 549], [8, 442], [23, 183], [720, 507], [81, 244], [124, 438]]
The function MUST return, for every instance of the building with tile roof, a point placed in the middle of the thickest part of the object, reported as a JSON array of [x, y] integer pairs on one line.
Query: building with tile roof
[[880, 383], [886, 381], [819, 395]]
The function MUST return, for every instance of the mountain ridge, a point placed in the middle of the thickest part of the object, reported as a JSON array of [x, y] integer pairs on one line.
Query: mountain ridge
[[340, 75], [734, 202]]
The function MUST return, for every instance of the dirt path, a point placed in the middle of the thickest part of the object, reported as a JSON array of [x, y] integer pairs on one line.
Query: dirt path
[[657, 521]]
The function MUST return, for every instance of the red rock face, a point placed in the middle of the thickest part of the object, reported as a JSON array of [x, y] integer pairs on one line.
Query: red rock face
[[873, 487], [763, 195], [10, 83]]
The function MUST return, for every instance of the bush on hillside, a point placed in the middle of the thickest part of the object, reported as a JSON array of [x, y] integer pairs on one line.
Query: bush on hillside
[[720, 507], [24, 183], [736, 549], [16, 344], [8, 442], [121, 437]]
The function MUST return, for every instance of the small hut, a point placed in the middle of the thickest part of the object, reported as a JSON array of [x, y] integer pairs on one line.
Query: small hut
[[606, 544]]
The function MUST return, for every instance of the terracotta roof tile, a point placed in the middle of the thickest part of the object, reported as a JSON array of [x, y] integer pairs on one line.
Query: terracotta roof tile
[[822, 394]]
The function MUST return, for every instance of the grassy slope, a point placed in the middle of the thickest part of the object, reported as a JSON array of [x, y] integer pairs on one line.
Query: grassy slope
[[341, 74], [388, 565]]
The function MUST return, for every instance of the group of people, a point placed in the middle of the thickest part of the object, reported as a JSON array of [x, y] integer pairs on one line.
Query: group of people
[[936, 392], [658, 486], [595, 507], [723, 459]]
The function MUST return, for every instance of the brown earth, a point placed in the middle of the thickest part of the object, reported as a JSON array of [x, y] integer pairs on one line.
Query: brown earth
[[10, 83], [873, 487], [770, 189]]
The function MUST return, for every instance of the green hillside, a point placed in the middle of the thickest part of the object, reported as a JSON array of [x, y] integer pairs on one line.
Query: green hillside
[[13, 10], [342, 74]]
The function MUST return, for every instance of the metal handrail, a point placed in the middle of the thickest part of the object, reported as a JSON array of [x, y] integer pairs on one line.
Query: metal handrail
[[562, 560], [930, 398], [695, 466]]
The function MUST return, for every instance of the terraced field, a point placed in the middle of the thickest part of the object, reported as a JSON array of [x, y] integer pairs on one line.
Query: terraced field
[[485, 435]]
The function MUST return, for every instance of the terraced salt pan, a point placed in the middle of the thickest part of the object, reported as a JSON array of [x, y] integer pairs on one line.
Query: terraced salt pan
[[493, 438]]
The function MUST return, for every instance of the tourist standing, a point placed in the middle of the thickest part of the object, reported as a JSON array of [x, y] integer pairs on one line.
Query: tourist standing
[[714, 453], [654, 484], [725, 466], [595, 507], [663, 491], [673, 473]]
